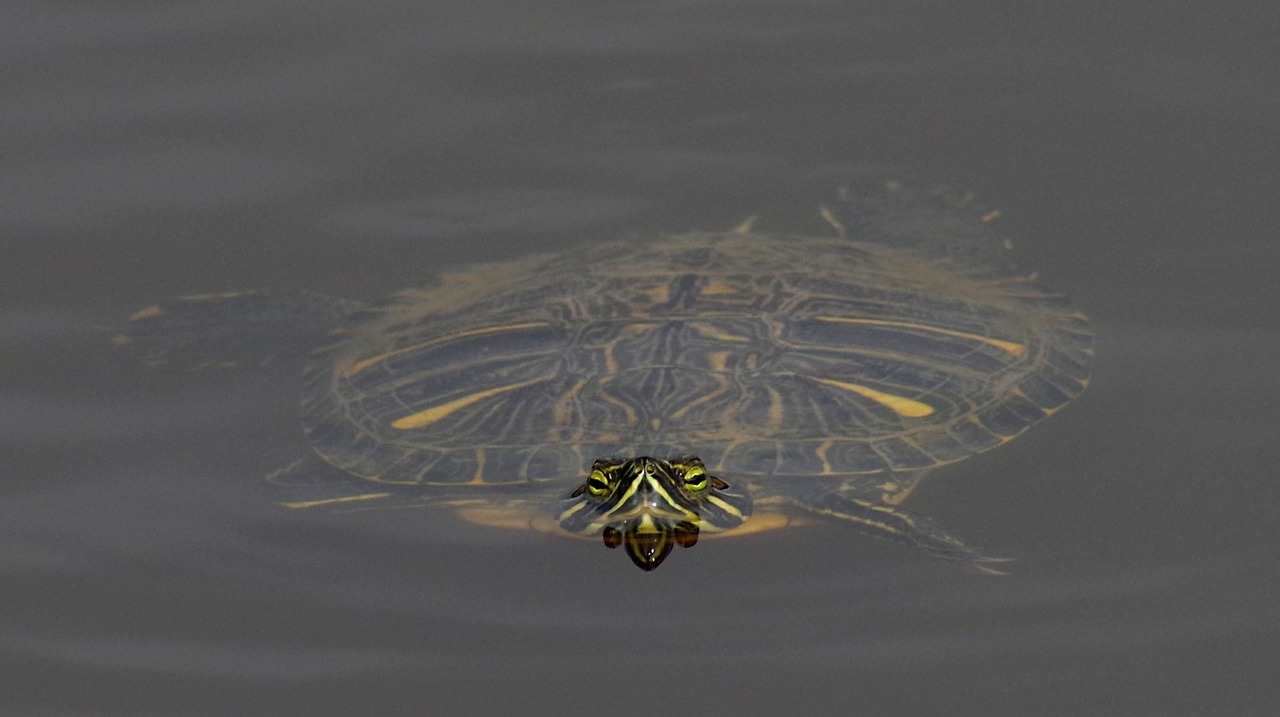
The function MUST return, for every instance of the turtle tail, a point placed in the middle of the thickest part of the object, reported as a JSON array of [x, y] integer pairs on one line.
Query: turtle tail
[[233, 329]]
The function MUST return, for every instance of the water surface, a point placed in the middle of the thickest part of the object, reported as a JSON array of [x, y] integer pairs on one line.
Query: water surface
[[153, 150]]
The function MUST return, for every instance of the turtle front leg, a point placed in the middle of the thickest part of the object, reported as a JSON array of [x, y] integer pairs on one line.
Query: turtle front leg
[[885, 521]]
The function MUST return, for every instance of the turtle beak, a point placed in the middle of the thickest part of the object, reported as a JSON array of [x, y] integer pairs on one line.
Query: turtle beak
[[648, 540]]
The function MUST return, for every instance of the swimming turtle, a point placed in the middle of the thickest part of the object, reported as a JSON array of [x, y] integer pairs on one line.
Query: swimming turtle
[[651, 390]]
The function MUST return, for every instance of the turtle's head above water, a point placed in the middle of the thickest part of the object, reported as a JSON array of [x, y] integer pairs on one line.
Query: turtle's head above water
[[650, 505]]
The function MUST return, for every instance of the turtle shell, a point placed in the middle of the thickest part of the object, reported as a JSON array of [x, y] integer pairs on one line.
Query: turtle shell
[[763, 355]]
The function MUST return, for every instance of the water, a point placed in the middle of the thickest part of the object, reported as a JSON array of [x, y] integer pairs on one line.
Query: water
[[154, 149]]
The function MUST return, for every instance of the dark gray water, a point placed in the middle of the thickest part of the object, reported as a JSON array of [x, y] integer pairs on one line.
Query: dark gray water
[[153, 149]]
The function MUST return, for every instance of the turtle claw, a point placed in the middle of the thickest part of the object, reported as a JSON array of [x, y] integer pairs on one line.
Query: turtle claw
[[937, 544]]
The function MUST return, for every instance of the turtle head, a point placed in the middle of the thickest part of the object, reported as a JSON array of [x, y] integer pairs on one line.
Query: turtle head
[[650, 505]]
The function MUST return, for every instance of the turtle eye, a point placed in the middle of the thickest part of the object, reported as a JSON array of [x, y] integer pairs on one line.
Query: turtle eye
[[695, 478], [597, 484]]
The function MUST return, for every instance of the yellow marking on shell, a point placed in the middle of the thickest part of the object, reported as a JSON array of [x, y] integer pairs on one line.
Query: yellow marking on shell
[[626, 332], [333, 501], [821, 452], [776, 414], [610, 363], [1012, 347], [561, 414], [478, 477], [1003, 439], [362, 364], [830, 218], [900, 405], [744, 227], [632, 417], [895, 494], [716, 287], [1048, 411], [660, 294], [722, 387], [730, 444], [435, 413], [710, 331]]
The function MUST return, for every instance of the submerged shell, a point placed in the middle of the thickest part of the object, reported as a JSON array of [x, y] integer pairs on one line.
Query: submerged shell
[[763, 355]]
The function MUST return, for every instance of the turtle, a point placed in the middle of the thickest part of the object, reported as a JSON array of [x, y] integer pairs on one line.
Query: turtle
[[648, 390]]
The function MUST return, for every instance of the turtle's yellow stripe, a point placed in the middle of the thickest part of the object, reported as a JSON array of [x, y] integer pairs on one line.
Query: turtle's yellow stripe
[[777, 412], [724, 505], [478, 478], [884, 525], [710, 331], [821, 452], [715, 287], [562, 412], [901, 405], [334, 501], [633, 418], [435, 413], [1012, 347], [718, 361], [660, 294], [362, 364]]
